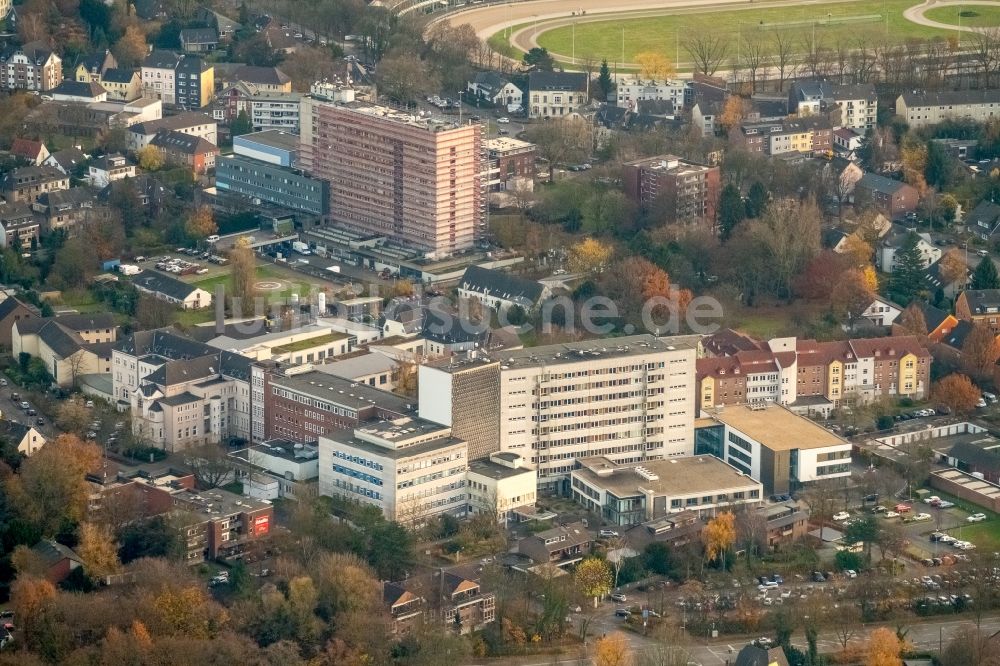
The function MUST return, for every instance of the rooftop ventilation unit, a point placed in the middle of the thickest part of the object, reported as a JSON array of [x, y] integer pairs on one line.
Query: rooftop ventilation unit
[[646, 474]]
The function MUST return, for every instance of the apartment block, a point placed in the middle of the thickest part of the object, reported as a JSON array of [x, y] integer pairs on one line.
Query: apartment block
[[630, 399], [409, 468], [556, 94], [980, 306], [302, 404], [512, 164], [632, 91], [773, 445], [416, 180], [688, 191], [921, 109], [186, 81], [858, 104], [33, 66], [812, 376], [803, 135], [632, 494]]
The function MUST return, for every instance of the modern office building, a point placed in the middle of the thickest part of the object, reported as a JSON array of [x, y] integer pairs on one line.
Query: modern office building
[[773, 445], [635, 493], [688, 191], [630, 399], [416, 180], [411, 469]]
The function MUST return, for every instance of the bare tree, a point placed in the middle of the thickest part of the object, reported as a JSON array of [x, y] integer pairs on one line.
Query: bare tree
[[210, 464], [782, 57], [752, 57], [985, 49], [862, 59], [619, 546], [708, 49], [751, 532], [842, 54], [817, 56]]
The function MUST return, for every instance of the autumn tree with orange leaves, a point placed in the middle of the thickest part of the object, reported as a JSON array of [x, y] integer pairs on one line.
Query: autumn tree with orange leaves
[[634, 283], [719, 536], [613, 650], [957, 392], [883, 648]]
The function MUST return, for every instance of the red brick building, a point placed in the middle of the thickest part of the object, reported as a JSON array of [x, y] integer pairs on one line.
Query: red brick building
[[686, 190], [510, 159], [186, 150]]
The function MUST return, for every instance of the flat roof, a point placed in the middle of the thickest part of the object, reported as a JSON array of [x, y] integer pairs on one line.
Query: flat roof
[[360, 366], [776, 427], [342, 391], [403, 428], [496, 471], [437, 444], [695, 475], [272, 138]]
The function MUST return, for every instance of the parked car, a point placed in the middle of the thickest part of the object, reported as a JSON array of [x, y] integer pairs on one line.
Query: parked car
[[922, 516], [891, 514], [25, 405], [605, 534], [932, 499], [503, 121], [903, 508], [619, 597], [841, 516], [879, 509], [976, 518], [621, 612]]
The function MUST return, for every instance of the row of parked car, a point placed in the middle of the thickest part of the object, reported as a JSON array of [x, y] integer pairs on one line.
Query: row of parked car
[[941, 537]]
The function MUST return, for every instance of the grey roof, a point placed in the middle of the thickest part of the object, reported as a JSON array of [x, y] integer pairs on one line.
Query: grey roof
[[69, 158], [565, 81], [178, 122], [98, 61], [933, 316], [982, 300], [13, 431], [970, 453], [751, 655], [342, 391], [60, 340], [37, 51], [827, 90], [985, 213], [273, 139], [53, 552], [143, 184], [831, 238], [166, 343], [956, 338], [161, 59], [60, 200], [769, 107], [181, 142], [10, 304], [951, 98], [500, 284], [199, 36], [616, 117], [79, 89], [87, 322], [15, 214], [180, 399], [30, 175], [119, 75], [234, 365], [185, 370], [878, 183], [359, 366], [490, 81], [192, 65], [271, 76], [932, 276], [161, 283]]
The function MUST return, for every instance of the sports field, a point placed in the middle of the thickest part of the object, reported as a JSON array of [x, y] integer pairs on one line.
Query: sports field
[[973, 16], [848, 23]]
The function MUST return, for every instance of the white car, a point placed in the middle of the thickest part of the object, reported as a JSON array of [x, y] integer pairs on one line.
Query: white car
[[842, 516], [891, 514], [608, 533], [976, 518], [931, 499], [922, 516], [947, 538], [503, 121], [851, 573], [981, 403], [619, 597]]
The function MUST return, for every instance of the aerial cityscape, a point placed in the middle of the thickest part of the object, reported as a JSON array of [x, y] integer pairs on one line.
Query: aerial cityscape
[[496, 332]]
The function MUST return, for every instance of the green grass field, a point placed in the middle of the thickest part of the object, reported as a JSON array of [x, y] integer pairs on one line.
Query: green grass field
[[985, 535], [289, 282], [976, 16], [848, 22]]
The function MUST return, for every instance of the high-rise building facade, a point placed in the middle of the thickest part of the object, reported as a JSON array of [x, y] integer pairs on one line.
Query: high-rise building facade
[[416, 180]]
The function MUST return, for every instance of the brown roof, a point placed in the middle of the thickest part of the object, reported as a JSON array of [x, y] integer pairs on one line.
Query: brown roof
[[717, 366], [726, 342], [26, 148], [893, 347]]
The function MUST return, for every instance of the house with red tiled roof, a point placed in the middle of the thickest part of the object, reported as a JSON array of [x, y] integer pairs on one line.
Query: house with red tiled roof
[[33, 152]]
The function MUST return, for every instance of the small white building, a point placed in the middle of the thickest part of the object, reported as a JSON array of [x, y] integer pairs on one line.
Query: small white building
[[109, 168], [276, 468], [501, 484], [172, 290], [882, 312], [886, 255], [632, 91]]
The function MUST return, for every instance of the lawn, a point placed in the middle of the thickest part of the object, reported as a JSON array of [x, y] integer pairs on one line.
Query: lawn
[[985, 535], [847, 21], [977, 16], [290, 282]]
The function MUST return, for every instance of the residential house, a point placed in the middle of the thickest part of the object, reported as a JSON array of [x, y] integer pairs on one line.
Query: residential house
[[885, 254], [708, 99], [77, 91], [195, 124], [183, 149], [561, 546], [811, 135], [195, 82], [262, 80], [13, 310], [25, 438], [785, 523], [556, 94], [64, 208], [158, 78], [170, 289], [940, 323], [894, 198], [28, 183], [122, 85], [224, 26], [69, 345], [923, 108], [752, 655], [405, 608], [109, 168], [453, 597], [58, 561], [984, 220], [33, 152], [610, 119], [18, 227], [980, 306], [858, 102], [493, 88], [148, 190], [948, 286], [631, 91], [881, 312], [33, 66], [500, 290], [847, 141], [92, 68], [687, 191], [199, 40]]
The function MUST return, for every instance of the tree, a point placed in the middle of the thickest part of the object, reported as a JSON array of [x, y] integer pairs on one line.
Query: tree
[[912, 321], [757, 198], [201, 223], [604, 81], [613, 650], [865, 530], [707, 48], [654, 66], [152, 312], [939, 166], [857, 250], [914, 156], [980, 352], [589, 256], [562, 141], [210, 464], [753, 57], [733, 112], [73, 416], [892, 539], [883, 648], [51, 489], [789, 233], [131, 47], [953, 267], [390, 550], [732, 211], [241, 124], [308, 65], [719, 536], [907, 278], [539, 58], [98, 550], [852, 294], [784, 52], [967, 648], [985, 276], [593, 578], [30, 598], [150, 158], [243, 278], [957, 392]]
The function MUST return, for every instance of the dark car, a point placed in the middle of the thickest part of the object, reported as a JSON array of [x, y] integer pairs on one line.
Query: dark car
[[818, 577], [32, 412], [40, 421], [872, 497]]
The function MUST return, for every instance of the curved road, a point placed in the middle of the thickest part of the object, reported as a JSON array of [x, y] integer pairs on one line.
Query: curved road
[[915, 14]]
